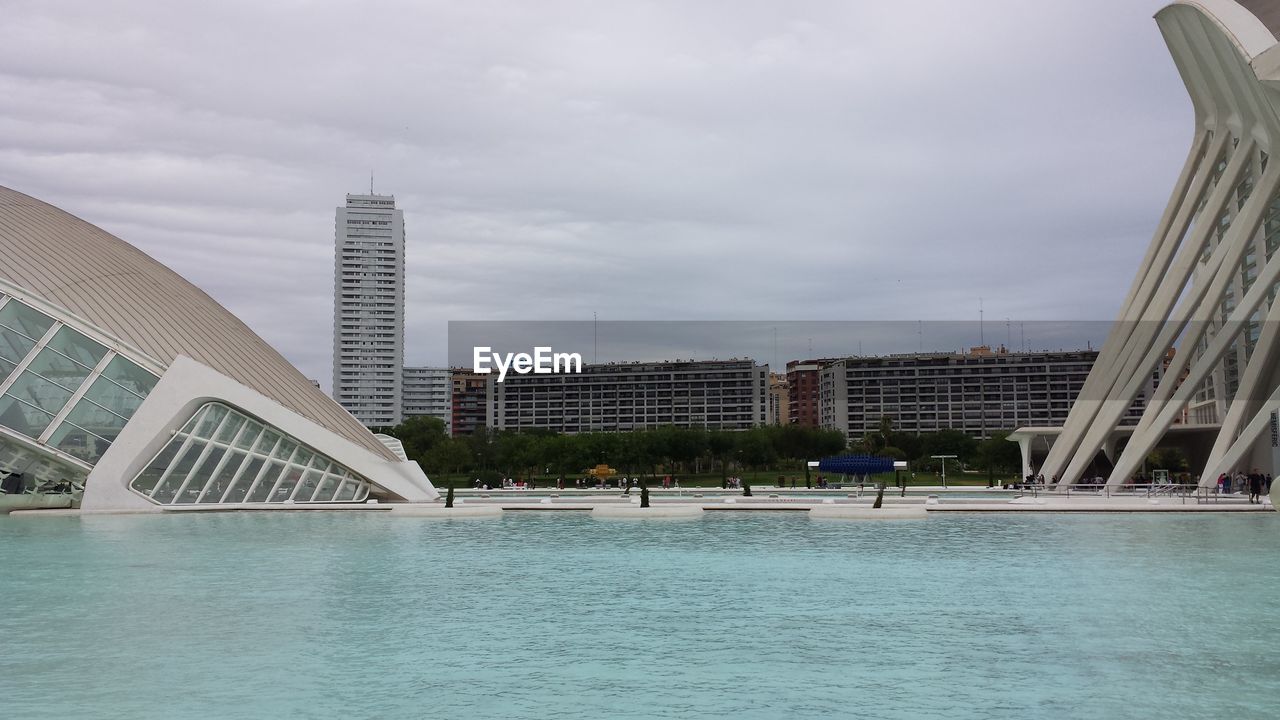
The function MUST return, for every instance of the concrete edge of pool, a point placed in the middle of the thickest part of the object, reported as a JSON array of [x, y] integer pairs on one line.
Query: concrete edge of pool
[[896, 508]]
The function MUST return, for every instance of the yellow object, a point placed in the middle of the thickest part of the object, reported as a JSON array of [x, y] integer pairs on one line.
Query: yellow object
[[602, 471]]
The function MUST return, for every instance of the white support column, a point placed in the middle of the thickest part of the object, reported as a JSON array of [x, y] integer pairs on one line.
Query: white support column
[[1159, 415], [1178, 214], [1159, 327]]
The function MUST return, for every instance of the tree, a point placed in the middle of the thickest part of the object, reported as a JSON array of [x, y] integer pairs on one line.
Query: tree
[[996, 453], [451, 456], [949, 442], [1168, 458], [755, 448], [721, 444], [418, 435]]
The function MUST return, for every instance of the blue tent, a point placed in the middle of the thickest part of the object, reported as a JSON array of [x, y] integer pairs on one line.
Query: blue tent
[[856, 465]]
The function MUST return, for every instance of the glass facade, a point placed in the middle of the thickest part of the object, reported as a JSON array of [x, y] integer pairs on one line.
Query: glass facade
[[221, 456], [60, 387]]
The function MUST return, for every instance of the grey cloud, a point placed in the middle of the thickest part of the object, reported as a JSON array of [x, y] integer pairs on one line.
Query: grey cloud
[[662, 160]]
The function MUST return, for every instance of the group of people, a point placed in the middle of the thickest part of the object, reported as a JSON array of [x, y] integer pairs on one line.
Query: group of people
[[1256, 483]]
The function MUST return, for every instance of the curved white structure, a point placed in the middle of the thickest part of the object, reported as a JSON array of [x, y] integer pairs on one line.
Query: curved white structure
[[1208, 281], [119, 376]]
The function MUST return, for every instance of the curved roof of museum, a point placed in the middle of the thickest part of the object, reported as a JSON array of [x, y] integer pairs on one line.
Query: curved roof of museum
[[1252, 25], [115, 287]]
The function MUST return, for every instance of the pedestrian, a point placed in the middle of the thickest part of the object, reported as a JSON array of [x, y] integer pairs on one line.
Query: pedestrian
[[1255, 486]]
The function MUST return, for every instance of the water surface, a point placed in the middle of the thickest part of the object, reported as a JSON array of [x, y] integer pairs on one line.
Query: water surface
[[738, 615]]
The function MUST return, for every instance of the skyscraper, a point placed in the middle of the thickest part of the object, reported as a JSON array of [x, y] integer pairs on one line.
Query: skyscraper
[[368, 309]]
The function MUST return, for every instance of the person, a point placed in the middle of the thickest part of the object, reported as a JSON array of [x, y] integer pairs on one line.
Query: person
[[666, 481], [1255, 486], [1266, 484]]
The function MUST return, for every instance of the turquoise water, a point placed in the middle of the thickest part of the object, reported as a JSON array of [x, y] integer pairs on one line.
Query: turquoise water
[[738, 615]]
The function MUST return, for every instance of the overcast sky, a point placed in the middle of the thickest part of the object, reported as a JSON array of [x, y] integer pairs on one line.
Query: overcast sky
[[703, 159]]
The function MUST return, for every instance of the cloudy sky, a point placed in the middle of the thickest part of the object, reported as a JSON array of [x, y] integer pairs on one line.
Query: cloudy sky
[[708, 159]]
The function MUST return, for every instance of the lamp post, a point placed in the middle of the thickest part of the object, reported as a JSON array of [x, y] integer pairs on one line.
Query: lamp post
[[944, 459]]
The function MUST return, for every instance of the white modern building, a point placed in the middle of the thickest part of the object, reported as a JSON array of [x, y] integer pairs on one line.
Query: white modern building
[[608, 397], [1207, 285], [428, 392], [979, 392], [120, 379], [368, 309]]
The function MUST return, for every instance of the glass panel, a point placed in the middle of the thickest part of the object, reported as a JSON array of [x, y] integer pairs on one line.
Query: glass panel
[[130, 376], [96, 420], [202, 475], [346, 492], [230, 428], [148, 478], [22, 417], [327, 488], [6, 369], [244, 480], [267, 442], [310, 482], [113, 397], [214, 491], [39, 392], [59, 369], [77, 347], [285, 449], [79, 443], [249, 436], [287, 482], [303, 457], [262, 465], [268, 481], [14, 347], [173, 481], [209, 423], [16, 316]]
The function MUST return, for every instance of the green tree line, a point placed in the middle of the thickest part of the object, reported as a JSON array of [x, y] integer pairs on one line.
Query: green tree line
[[490, 454]]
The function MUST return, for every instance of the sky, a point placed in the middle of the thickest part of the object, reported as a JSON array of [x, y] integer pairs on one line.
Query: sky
[[712, 160]]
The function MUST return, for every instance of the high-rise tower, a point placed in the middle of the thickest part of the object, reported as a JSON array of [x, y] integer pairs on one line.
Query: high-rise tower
[[368, 309]]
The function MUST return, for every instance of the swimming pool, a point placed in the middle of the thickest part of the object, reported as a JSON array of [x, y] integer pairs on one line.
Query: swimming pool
[[735, 615]]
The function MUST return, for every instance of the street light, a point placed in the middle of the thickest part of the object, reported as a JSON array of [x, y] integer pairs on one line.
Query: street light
[[944, 459]]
